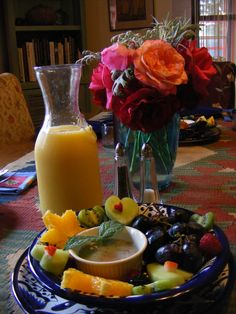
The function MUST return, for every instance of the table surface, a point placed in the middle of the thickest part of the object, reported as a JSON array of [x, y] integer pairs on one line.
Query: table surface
[[204, 179]]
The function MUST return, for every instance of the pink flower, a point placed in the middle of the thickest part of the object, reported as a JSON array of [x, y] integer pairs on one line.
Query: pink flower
[[117, 57], [101, 86]]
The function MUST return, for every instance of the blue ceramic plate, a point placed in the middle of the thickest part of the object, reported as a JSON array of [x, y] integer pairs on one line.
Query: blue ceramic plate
[[34, 298], [204, 277]]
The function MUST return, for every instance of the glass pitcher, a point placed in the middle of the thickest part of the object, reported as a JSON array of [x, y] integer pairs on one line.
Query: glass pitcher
[[66, 151]]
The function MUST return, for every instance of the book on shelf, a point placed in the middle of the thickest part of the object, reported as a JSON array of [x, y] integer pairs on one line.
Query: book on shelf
[[79, 54], [25, 63], [67, 50], [52, 52], [30, 60], [72, 49], [45, 52], [21, 64], [39, 52], [60, 53]]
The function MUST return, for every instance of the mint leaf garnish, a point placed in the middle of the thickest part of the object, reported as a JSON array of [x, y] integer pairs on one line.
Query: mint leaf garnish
[[78, 241], [107, 229]]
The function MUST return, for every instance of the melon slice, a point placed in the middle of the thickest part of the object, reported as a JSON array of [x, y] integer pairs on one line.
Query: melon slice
[[157, 272], [162, 279]]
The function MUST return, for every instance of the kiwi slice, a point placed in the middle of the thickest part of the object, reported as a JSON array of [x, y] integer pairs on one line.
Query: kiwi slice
[[91, 217]]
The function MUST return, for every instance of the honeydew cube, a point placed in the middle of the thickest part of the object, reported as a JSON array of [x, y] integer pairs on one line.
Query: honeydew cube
[[55, 264], [37, 251]]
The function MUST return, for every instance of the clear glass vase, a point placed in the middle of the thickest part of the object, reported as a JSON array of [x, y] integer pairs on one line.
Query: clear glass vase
[[66, 151], [163, 142]]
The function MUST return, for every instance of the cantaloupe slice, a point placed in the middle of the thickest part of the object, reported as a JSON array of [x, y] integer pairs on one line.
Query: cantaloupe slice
[[76, 280]]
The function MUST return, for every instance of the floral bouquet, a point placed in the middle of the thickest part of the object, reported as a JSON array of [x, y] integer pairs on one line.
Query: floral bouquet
[[146, 78]]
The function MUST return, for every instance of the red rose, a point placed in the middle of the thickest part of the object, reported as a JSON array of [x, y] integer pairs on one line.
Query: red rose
[[198, 65], [146, 109], [183, 49]]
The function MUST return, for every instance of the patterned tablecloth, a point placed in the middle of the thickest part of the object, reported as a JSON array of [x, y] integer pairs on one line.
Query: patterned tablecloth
[[204, 180]]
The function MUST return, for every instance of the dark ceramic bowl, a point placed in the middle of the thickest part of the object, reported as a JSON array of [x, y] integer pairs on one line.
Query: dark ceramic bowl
[[205, 276]]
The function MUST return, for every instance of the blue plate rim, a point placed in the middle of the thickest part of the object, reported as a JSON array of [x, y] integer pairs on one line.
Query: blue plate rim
[[218, 263], [27, 308]]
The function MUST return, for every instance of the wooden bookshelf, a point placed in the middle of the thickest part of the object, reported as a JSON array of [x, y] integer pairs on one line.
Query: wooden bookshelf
[[38, 45]]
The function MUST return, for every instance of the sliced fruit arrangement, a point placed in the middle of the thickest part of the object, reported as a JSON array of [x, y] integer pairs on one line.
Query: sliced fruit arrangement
[[200, 122], [178, 246]]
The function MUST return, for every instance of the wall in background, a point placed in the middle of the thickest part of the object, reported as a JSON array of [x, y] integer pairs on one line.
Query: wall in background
[[98, 32], [182, 8]]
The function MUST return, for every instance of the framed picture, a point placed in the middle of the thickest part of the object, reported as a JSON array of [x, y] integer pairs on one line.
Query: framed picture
[[130, 14]]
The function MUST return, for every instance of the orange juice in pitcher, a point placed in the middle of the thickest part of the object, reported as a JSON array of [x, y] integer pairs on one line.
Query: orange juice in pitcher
[[66, 151]]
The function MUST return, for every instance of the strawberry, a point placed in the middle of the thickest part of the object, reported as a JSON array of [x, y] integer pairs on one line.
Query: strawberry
[[50, 249], [170, 266], [210, 245], [118, 207]]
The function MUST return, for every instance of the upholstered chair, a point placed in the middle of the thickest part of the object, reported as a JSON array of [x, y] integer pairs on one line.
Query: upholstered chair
[[222, 86], [15, 121]]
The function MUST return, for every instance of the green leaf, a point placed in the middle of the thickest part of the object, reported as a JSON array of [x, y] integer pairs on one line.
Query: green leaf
[[78, 241], [106, 230], [122, 80], [109, 228]]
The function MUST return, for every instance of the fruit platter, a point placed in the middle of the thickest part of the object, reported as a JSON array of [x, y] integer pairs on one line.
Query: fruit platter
[[183, 254], [195, 130]]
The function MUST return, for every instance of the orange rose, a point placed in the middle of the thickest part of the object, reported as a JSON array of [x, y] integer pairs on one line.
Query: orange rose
[[158, 64]]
